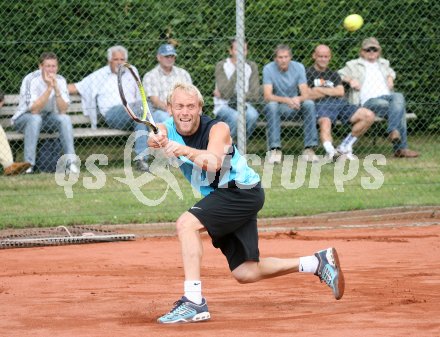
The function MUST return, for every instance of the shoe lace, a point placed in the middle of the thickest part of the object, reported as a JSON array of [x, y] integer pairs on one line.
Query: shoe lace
[[177, 306], [326, 275]]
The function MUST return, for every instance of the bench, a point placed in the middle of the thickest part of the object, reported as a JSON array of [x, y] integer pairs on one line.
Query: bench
[[81, 124]]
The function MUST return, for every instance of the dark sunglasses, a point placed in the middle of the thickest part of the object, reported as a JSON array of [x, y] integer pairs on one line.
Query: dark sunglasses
[[371, 49]]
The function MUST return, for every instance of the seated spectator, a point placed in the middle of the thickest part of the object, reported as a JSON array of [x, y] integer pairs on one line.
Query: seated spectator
[[99, 92], [43, 104], [225, 93], [327, 91], [285, 91], [6, 160], [371, 81], [159, 81]]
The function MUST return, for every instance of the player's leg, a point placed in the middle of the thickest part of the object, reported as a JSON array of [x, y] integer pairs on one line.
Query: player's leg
[[324, 264], [188, 229], [252, 271], [191, 307]]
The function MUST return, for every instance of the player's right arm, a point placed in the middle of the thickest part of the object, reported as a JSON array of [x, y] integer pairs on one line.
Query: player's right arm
[[211, 159], [159, 140]]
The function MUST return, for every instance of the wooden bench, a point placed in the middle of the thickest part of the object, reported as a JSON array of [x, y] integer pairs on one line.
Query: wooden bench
[[81, 124]]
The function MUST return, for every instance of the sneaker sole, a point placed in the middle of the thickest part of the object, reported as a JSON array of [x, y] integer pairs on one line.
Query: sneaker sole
[[340, 283], [203, 316]]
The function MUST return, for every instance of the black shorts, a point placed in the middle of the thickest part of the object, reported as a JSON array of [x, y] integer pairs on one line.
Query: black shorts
[[230, 217]]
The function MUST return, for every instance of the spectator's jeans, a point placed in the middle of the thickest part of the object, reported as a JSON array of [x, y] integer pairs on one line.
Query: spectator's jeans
[[117, 118], [275, 111], [393, 108], [32, 124], [230, 116]]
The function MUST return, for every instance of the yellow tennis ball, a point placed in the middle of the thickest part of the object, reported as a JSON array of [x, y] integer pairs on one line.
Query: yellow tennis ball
[[353, 22]]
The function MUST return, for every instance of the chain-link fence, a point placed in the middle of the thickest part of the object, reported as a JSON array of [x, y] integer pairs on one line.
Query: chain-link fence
[[81, 32]]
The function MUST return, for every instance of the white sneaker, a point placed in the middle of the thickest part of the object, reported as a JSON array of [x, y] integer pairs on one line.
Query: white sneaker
[[309, 156], [331, 156], [347, 156], [346, 153], [275, 156]]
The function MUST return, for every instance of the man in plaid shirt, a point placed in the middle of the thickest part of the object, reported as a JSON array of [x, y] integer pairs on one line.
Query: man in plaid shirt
[[161, 79]]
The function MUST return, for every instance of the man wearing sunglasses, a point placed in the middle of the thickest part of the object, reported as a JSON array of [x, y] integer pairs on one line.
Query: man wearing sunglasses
[[371, 81]]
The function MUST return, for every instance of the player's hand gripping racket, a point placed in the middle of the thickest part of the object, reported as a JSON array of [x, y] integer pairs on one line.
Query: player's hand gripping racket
[[138, 112]]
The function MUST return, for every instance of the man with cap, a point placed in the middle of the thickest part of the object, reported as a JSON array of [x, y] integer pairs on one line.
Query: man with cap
[[160, 80], [371, 82]]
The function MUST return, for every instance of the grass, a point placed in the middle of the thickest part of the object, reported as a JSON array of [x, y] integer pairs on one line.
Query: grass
[[38, 201]]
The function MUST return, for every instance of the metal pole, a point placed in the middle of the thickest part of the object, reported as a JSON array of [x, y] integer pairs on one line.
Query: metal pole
[[240, 38]]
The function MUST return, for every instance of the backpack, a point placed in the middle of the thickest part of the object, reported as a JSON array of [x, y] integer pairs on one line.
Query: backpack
[[48, 153]]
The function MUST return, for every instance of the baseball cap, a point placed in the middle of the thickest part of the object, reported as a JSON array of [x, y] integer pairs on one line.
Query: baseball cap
[[370, 42], [167, 49]]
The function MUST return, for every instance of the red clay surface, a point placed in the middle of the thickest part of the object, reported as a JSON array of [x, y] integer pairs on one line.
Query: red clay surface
[[392, 275]]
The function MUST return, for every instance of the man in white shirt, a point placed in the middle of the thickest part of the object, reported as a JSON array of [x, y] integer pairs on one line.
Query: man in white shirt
[[161, 79], [99, 93], [44, 100], [371, 81]]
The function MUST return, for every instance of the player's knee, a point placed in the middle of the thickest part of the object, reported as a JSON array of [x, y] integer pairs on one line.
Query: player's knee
[[187, 222], [244, 275], [181, 226], [242, 278]]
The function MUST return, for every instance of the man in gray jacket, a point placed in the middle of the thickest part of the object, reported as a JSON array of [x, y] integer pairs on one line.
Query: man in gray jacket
[[225, 93], [371, 81]]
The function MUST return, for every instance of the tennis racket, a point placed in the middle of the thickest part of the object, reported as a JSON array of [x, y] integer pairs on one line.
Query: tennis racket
[[138, 112]]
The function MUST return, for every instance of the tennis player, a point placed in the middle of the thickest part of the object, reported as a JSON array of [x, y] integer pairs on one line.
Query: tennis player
[[228, 212]]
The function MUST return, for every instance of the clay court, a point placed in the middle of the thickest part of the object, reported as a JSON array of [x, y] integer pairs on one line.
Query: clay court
[[391, 261]]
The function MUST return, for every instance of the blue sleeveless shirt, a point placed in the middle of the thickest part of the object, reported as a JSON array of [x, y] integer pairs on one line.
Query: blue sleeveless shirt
[[234, 173]]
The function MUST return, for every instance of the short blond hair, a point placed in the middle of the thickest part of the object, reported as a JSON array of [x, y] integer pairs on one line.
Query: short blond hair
[[187, 88]]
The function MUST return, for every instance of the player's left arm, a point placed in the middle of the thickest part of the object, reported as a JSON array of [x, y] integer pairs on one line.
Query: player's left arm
[[210, 159]]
